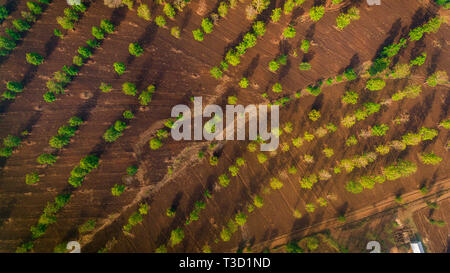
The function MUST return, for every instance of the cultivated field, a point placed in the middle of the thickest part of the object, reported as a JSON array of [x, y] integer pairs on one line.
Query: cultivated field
[[85, 118]]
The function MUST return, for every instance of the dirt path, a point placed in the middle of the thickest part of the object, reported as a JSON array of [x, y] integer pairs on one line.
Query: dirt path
[[412, 200]]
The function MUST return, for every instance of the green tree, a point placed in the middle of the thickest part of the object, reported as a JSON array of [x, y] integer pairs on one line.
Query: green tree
[[198, 34], [87, 227], [350, 97], [276, 15], [117, 190], [439, 77], [240, 219], [304, 66], [34, 58], [289, 32], [379, 130], [107, 26], [317, 12], [155, 143], [160, 21], [46, 159], [31, 178], [98, 33], [207, 25], [120, 69], [169, 11], [144, 12], [375, 84], [135, 49], [129, 88], [176, 236], [430, 158]]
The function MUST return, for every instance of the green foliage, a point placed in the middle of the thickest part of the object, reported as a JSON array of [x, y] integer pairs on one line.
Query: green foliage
[[292, 247], [240, 219], [15, 87], [120, 69], [34, 58], [354, 187], [6, 43], [11, 141], [276, 15], [379, 130], [304, 66], [128, 114], [308, 182], [87, 227], [375, 84], [419, 60], [144, 12], [160, 21], [445, 124], [117, 190], [3, 13], [439, 77], [351, 140], [224, 180], [305, 46], [21, 25], [277, 88], [259, 28], [146, 96], [46, 159], [430, 158], [289, 32], [216, 72], [310, 207], [400, 169], [84, 52], [243, 83], [223, 9], [15, 35], [350, 97], [169, 11], [132, 170], [128, 3], [31, 178], [175, 32], [98, 33], [155, 143], [275, 183], [314, 115], [314, 90], [207, 25], [129, 88], [106, 26], [379, 65], [317, 12], [427, 134], [198, 34], [135, 49], [105, 87], [176, 236]]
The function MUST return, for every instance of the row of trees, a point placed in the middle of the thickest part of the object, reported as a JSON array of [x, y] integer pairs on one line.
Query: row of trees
[[47, 218], [233, 55], [21, 26], [71, 16], [136, 218], [208, 23], [401, 168], [344, 19], [62, 78], [79, 172]]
